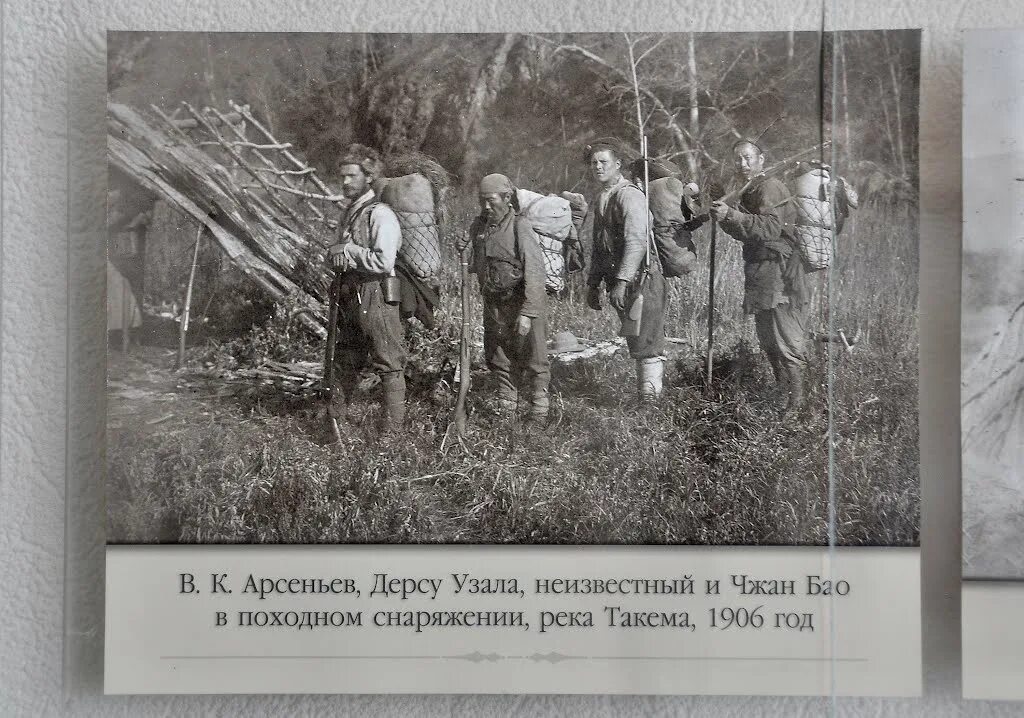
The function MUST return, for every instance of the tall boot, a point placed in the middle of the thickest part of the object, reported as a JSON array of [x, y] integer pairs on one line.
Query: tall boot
[[539, 404], [795, 380], [650, 375], [342, 390], [506, 396], [780, 391], [394, 399]]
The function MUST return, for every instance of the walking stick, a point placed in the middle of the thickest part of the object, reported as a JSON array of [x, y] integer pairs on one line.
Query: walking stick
[[460, 402], [711, 302], [186, 312], [332, 338]]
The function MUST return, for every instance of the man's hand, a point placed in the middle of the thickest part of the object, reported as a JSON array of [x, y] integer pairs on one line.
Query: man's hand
[[617, 297], [339, 260], [719, 210], [524, 325], [462, 241], [594, 297]]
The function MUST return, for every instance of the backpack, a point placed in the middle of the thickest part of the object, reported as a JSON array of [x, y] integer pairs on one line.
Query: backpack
[[671, 239], [411, 198], [552, 221], [822, 206]]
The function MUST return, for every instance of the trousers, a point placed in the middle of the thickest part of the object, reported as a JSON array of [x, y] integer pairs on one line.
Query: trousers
[[370, 335], [650, 342], [782, 334], [511, 358]]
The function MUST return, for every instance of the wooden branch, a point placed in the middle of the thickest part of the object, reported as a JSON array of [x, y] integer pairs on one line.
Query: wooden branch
[[272, 166], [300, 193], [274, 170], [253, 145], [237, 157], [190, 124], [649, 50], [171, 122], [244, 112]]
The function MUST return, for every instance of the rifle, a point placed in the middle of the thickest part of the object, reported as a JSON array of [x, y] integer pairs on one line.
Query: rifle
[[460, 402], [702, 214], [332, 338]]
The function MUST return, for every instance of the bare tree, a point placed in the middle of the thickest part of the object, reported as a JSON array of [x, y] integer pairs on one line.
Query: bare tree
[[481, 96]]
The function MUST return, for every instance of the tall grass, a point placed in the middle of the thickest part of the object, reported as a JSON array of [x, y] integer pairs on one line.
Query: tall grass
[[702, 467]]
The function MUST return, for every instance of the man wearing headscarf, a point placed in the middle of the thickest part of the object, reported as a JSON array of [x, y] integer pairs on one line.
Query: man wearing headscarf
[[626, 264], [508, 263], [369, 326], [776, 290]]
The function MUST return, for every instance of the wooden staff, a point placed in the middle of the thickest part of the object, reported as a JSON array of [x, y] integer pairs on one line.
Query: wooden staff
[[711, 301], [464, 379], [183, 329]]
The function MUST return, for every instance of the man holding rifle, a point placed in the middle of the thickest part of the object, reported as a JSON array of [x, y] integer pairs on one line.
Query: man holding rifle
[[776, 290], [369, 328], [626, 264]]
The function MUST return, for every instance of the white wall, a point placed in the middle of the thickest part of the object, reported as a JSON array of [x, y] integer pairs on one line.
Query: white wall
[[52, 318]]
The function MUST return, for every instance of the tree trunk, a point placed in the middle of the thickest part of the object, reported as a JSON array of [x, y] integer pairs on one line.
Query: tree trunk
[[892, 59], [848, 140], [364, 57], [481, 96], [691, 68], [209, 76]]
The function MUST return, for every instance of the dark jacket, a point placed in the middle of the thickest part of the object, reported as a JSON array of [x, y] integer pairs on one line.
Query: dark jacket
[[774, 272], [503, 246], [620, 235]]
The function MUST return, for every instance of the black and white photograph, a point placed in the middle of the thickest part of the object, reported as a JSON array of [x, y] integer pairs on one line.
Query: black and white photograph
[[992, 389], [618, 288]]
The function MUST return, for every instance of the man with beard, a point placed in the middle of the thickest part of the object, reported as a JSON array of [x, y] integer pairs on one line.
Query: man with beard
[[776, 290], [507, 260], [369, 326], [626, 264]]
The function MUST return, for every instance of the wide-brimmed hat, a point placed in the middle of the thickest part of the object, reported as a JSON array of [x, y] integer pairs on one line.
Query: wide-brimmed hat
[[564, 342]]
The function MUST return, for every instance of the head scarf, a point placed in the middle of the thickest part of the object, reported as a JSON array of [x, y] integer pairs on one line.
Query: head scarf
[[496, 184]]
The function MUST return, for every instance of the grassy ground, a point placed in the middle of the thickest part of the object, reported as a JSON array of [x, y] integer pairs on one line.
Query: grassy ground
[[192, 464]]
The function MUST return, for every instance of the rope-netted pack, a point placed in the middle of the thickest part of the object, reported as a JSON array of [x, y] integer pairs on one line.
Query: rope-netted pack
[[813, 227], [412, 199]]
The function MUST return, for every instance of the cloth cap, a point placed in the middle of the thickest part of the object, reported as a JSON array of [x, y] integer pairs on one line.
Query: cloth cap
[[496, 184], [749, 141], [604, 143]]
